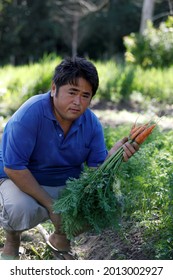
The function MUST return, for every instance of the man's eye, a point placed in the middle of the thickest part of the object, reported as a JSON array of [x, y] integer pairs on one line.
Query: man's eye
[[86, 96]]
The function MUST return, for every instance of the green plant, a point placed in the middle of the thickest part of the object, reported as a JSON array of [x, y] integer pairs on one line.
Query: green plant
[[96, 193], [117, 83], [19, 83], [153, 48], [146, 185]]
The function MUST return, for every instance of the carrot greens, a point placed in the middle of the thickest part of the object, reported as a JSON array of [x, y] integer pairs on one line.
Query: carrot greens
[[94, 200]]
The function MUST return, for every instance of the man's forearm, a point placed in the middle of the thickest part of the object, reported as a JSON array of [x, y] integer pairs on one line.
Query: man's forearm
[[28, 184]]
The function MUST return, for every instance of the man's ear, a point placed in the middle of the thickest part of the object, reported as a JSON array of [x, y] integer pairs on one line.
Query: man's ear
[[53, 89]]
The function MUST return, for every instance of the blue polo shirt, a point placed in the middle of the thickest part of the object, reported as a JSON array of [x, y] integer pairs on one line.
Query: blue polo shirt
[[34, 140]]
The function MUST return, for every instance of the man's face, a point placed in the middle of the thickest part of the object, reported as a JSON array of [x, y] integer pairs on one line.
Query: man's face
[[71, 100]]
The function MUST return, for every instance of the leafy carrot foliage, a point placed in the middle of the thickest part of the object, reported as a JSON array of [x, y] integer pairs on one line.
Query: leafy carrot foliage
[[94, 200]]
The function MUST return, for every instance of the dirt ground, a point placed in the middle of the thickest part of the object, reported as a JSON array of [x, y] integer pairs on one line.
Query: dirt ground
[[109, 245]]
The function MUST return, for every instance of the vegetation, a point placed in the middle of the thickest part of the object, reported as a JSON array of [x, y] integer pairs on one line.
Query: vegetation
[[96, 194], [117, 83], [146, 185], [153, 48]]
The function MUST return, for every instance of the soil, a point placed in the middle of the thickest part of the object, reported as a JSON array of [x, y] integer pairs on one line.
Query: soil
[[127, 244], [109, 245], [111, 114]]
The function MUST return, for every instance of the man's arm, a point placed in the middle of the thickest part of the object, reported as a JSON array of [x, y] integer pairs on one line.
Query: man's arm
[[28, 184]]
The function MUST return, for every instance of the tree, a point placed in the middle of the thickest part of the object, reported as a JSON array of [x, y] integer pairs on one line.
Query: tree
[[25, 31], [164, 13], [147, 13], [29, 29], [69, 13]]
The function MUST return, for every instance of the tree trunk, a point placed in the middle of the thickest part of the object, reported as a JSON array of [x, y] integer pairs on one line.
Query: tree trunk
[[75, 26], [147, 14]]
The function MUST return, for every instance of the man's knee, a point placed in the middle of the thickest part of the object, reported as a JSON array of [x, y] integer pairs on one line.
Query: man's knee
[[22, 216]]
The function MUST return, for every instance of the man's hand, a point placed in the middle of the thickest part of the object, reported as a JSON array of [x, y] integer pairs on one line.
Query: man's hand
[[129, 149]]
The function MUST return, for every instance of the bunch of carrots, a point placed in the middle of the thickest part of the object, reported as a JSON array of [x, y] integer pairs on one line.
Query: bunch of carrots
[[138, 134], [94, 200]]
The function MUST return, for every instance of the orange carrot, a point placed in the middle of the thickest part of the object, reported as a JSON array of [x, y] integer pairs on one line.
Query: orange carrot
[[137, 131], [134, 126], [144, 134]]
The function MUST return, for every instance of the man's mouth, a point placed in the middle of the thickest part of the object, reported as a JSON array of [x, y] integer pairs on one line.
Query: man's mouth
[[74, 110]]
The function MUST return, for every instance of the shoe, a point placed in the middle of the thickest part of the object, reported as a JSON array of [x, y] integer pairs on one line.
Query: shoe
[[60, 254]]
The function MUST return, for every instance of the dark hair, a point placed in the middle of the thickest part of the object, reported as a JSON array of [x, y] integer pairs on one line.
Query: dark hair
[[71, 69]]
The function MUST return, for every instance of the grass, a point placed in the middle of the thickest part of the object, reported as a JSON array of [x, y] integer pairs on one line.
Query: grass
[[117, 82]]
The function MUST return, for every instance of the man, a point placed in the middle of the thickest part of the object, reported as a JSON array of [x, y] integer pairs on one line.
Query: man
[[45, 142]]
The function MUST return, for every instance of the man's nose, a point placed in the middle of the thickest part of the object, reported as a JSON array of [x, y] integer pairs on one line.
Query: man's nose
[[77, 99]]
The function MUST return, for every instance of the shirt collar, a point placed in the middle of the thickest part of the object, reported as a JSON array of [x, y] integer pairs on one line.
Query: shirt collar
[[47, 106]]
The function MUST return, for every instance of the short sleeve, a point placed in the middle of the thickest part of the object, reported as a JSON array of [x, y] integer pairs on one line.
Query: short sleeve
[[17, 145]]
